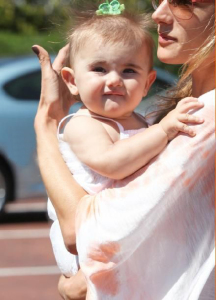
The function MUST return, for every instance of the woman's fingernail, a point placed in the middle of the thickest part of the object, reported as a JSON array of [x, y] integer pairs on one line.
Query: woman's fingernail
[[36, 50]]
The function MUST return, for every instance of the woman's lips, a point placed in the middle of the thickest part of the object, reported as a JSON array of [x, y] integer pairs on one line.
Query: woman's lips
[[164, 40]]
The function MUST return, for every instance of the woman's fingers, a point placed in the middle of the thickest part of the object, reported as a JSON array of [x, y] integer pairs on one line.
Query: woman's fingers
[[61, 59], [54, 93], [50, 92], [45, 62], [44, 59]]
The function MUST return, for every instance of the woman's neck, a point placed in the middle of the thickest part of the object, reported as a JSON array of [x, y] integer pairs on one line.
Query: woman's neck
[[203, 79]]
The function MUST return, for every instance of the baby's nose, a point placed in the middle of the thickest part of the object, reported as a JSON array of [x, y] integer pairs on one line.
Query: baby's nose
[[114, 79]]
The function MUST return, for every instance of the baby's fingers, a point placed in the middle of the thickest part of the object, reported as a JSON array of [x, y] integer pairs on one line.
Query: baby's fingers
[[187, 100], [186, 129], [184, 107], [187, 118]]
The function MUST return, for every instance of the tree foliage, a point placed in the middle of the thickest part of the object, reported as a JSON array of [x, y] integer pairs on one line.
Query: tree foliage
[[46, 22], [28, 16]]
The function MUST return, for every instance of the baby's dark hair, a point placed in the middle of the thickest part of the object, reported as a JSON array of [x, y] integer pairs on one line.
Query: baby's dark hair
[[124, 29]]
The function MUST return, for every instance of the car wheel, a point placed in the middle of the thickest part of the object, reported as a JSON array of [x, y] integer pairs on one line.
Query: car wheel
[[4, 186]]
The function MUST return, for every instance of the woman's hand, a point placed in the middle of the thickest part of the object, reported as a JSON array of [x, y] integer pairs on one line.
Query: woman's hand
[[73, 288], [55, 99], [176, 120]]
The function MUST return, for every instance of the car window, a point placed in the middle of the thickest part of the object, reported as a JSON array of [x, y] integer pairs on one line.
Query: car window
[[26, 87]]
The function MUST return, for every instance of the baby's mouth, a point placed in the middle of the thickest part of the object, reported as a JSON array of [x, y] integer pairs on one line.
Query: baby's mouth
[[113, 93]]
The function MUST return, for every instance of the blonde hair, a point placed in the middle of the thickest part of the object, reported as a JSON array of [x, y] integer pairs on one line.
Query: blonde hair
[[125, 29], [184, 86]]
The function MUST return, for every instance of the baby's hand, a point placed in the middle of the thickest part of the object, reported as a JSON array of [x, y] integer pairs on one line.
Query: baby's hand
[[177, 119]]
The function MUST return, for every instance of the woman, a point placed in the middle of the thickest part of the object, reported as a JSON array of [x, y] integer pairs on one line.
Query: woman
[[163, 246]]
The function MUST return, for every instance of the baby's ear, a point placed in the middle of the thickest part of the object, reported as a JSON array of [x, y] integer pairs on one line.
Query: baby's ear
[[149, 81], [69, 79]]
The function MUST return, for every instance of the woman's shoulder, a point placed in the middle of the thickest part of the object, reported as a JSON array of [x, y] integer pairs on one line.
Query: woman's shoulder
[[208, 97]]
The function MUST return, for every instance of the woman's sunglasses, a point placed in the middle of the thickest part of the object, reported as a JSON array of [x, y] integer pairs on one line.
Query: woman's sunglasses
[[182, 9]]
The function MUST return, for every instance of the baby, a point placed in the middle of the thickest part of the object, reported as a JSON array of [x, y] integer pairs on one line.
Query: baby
[[110, 69]]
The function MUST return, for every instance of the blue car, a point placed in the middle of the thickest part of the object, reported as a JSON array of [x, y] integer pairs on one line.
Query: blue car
[[20, 80]]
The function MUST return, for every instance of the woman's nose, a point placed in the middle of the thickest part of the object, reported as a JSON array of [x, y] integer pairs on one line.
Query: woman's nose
[[163, 14], [114, 79]]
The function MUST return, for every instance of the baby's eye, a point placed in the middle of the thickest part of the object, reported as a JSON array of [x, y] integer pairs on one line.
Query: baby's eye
[[129, 71], [99, 70]]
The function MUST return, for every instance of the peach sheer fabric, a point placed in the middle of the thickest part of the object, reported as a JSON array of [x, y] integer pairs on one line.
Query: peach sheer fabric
[[151, 236]]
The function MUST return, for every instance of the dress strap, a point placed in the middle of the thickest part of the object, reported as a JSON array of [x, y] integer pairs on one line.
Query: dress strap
[[60, 123], [120, 127]]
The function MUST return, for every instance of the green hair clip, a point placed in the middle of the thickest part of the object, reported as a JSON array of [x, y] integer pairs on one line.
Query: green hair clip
[[112, 8]]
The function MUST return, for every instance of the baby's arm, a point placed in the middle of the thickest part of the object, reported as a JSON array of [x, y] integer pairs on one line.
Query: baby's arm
[[92, 144]]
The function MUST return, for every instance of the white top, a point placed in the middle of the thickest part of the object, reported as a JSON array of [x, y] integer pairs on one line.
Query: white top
[[152, 234], [91, 181]]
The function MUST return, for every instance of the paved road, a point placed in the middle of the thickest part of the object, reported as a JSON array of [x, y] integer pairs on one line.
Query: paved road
[[27, 265]]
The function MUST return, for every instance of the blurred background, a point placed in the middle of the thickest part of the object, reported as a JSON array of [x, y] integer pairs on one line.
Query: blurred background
[[27, 265], [46, 22]]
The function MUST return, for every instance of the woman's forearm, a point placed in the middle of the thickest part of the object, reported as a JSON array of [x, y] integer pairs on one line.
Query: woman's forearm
[[62, 189]]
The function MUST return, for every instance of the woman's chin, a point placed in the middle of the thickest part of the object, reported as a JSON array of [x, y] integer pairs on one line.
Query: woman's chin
[[169, 57]]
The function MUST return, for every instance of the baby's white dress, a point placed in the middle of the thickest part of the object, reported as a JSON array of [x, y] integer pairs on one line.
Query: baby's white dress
[[92, 182]]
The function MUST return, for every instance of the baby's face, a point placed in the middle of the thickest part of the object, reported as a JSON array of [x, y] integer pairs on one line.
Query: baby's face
[[112, 79]]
